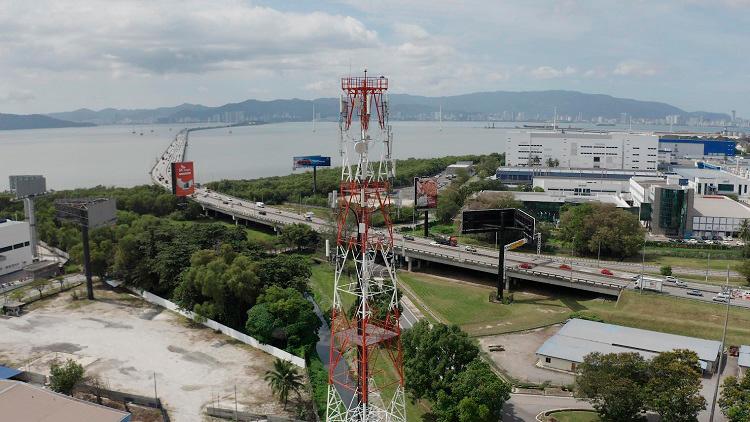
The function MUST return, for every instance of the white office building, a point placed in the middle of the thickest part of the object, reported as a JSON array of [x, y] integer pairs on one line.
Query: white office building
[[15, 246], [612, 150]]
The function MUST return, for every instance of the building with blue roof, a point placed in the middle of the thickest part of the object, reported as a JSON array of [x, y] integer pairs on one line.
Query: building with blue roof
[[674, 147]]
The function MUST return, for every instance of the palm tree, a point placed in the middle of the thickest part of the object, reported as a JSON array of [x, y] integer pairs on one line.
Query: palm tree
[[284, 379], [744, 232]]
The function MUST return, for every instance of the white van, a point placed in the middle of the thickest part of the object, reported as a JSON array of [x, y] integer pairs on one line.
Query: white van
[[309, 216], [260, 205]]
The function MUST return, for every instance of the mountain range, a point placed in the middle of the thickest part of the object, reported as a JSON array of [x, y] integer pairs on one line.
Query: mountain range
[[534, 105], [35, 121]]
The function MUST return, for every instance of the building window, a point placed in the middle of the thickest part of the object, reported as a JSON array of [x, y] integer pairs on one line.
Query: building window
[[597, 159], [548, 360]]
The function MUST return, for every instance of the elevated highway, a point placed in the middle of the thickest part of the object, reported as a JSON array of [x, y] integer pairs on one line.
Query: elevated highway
[[413, 252]]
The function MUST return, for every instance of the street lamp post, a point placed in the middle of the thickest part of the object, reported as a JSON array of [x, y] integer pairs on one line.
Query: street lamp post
[[643, 264], [599, 255], [721, 351], [708, 264]]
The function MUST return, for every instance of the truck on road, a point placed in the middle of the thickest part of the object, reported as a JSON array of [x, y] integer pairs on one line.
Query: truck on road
[[649, 283]]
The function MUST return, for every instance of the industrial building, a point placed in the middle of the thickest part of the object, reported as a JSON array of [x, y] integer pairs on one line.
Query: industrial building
[[586, 150], [743, 361], [467, 166], [15, 246], [577, 338], [24, 402], [711, 181], [526, 175], [716, 215], [546, 205], [673, 148]]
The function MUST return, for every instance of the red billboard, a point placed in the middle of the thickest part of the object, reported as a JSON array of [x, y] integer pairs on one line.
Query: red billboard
[[425, 193], [183, 178]]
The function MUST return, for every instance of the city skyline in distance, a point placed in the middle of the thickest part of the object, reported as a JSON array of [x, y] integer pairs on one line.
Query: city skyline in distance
[[92, 54]]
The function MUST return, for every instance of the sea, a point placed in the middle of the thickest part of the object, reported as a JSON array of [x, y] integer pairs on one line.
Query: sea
[[122, 155]]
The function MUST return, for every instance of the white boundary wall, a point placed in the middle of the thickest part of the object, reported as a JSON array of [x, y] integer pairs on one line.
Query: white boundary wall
[[281, 354]]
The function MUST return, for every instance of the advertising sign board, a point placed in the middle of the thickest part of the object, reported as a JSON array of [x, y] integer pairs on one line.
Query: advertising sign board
[[183, 178], [310, 161], [425, 193]]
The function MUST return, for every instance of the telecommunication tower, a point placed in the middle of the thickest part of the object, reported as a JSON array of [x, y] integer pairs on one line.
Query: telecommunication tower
[[366, 376]]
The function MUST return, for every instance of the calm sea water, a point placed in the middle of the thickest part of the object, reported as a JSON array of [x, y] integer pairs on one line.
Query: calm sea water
[[114, 156]]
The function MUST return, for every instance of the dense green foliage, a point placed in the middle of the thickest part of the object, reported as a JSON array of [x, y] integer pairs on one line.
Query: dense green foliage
[[442, 364], [294, 187], [735, 398], [64, 378], [623, 386], [587, 226], [284, 318], [300, 236]]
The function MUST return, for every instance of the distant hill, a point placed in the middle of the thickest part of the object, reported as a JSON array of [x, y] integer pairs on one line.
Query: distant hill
[[35, 121], [476, 106]]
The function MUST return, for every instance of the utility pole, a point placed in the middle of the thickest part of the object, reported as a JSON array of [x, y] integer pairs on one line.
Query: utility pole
[[708, 264], [721, 352], [643, 265], [235, 403], [599, 255]]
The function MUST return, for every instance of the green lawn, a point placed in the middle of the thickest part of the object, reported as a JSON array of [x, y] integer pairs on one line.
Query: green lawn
[[467, 305], [574, 416]]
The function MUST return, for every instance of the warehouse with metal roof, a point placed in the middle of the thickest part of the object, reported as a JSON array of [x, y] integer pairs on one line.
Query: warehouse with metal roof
[[578, 338], [744, 360], [24, 402]]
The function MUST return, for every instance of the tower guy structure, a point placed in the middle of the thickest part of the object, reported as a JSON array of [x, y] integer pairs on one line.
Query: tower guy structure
[[366, 376]]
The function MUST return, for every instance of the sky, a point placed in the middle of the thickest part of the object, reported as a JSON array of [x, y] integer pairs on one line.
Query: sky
[[64, 55]]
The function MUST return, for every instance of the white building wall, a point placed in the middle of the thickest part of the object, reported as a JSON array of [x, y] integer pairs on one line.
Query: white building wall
[[555, 363], [583, 187], [15, 246], [583, 150]]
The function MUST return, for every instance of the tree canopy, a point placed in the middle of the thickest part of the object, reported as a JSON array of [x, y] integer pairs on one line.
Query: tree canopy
[[735, 398], [589, 225]]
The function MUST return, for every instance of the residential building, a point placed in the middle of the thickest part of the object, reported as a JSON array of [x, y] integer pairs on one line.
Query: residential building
[[15, 246]]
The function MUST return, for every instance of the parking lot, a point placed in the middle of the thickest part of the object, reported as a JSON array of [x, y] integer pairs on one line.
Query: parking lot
[[126, 342]]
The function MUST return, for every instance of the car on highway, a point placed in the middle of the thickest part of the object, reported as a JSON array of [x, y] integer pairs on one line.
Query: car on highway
[[526, 265], [565, 267], [721, 298], [470, 249], [605, 271], [670, 278], [695, 292], [680, 283], [260, 204], [433, 243], [262, 212], [407, 237]]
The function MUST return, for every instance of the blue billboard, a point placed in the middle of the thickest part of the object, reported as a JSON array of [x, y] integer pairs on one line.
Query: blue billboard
[[311, 161]]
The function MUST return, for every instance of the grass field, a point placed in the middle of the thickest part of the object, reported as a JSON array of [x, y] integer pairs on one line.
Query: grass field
[[467, 305], [575, 416]]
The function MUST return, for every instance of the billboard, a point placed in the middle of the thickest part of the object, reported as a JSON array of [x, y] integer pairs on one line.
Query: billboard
[[310, 161], [425, 193], [89, 212], [27, 185], [183, 178], [492, 220]]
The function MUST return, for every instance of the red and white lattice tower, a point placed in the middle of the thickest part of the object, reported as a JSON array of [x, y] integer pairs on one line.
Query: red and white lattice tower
[[366, 376]]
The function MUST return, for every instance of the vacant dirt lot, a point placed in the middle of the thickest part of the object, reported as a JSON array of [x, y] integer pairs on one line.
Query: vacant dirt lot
[[519, 358], [126, 341]]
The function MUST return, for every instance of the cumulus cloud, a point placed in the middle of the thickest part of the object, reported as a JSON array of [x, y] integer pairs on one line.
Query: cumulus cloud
[[635, 68], [167, 36], [549, 72]]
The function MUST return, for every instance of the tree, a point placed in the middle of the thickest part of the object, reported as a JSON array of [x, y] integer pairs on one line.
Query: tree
[[615, 384], [434, 357], [285, 271], [735, 398], [284, 379], [476, 395], [744, 232], [490, 200], [666, 270], [64, 378], [553, 162], [39, 285], [674, 385], [284, 318], [300, 236], [586, 226], [488, 165], [449, 204]]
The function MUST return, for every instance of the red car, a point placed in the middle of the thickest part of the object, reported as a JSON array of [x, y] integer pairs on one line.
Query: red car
[[525, 266], [606, 271], [565, 267]]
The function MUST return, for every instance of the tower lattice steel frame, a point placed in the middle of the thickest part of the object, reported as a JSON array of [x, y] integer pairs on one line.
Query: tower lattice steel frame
[[365, 327]]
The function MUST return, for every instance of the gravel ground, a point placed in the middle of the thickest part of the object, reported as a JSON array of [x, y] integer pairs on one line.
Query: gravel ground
[[125, 341], [519, 358]]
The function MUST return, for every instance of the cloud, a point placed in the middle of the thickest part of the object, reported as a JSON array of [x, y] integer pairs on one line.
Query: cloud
[[635, 68], [548, 72], [167, 36], [410, 31], [16, 96]]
